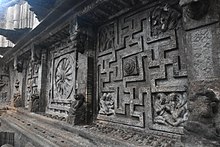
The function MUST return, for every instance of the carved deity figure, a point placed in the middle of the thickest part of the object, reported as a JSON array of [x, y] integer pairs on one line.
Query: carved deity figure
[[106, 104], [77, 110], [164, 18], [170, 109], [201, 129]]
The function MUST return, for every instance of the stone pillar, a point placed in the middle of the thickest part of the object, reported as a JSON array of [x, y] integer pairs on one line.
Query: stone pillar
[[201, 23], [43, 79], [80, 35]]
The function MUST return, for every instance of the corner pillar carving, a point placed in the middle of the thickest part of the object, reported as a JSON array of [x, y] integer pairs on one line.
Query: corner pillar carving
[[81, 34], [202, 32]]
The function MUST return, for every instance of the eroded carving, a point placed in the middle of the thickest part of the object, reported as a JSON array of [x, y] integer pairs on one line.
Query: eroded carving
[[17, 95], [106, 37], [130, 66], [195, 9], [19, 66], [34, 107], [164, 18], [78, 36], [77, 110], [170, 109], [106, 104], [201, 129]]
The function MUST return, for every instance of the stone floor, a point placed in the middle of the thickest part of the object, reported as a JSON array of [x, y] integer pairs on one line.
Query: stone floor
[[39, 131]]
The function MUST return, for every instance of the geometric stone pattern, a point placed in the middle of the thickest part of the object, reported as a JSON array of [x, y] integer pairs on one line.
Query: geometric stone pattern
[[144, 57], [62, 80], [4, 84], [32, 81]]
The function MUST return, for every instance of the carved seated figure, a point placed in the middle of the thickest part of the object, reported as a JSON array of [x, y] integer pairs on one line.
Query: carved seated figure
[[200, 129], [77, 110], [34, 107], [106, 104]]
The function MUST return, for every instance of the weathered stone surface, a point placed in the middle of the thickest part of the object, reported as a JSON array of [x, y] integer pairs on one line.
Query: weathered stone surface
[[202, 128], [77, 111], [146, 72], [34, 106], [17, 96]]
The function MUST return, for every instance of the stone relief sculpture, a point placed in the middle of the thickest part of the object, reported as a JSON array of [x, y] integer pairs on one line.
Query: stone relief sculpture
[[17, 95], [77, 110], [201, 128], [78, 36], [64, 77], [195, 9], [19, 66], [34, 107], [130, 66], [107, 37], [170, 109], [106, 104], [164, 18]]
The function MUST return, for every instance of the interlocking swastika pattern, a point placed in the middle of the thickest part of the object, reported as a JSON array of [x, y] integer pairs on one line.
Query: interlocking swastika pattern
[[140, 64]]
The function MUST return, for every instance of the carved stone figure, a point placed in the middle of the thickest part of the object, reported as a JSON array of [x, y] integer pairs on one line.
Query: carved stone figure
[[200, 129], [77, 110], [17, 95], [106, 104], [34, 107], [195, 9], [170, 109], [19, 66], [164, 18], [78, 36], [106, 37]]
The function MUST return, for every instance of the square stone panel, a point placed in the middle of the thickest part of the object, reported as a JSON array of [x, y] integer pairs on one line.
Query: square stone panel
[[130, 66]]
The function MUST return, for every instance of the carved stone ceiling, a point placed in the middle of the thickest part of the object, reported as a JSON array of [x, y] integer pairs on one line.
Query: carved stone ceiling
[[109, 9], [96, 15]]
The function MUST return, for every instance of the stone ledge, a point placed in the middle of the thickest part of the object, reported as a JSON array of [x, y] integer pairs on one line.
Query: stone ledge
[[42, 131]]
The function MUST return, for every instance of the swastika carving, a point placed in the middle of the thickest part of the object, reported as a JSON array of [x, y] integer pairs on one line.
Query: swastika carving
[[140, 65]]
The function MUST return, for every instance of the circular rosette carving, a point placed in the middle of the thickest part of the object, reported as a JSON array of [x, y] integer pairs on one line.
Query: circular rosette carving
[[129, 66], [64, 77]]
